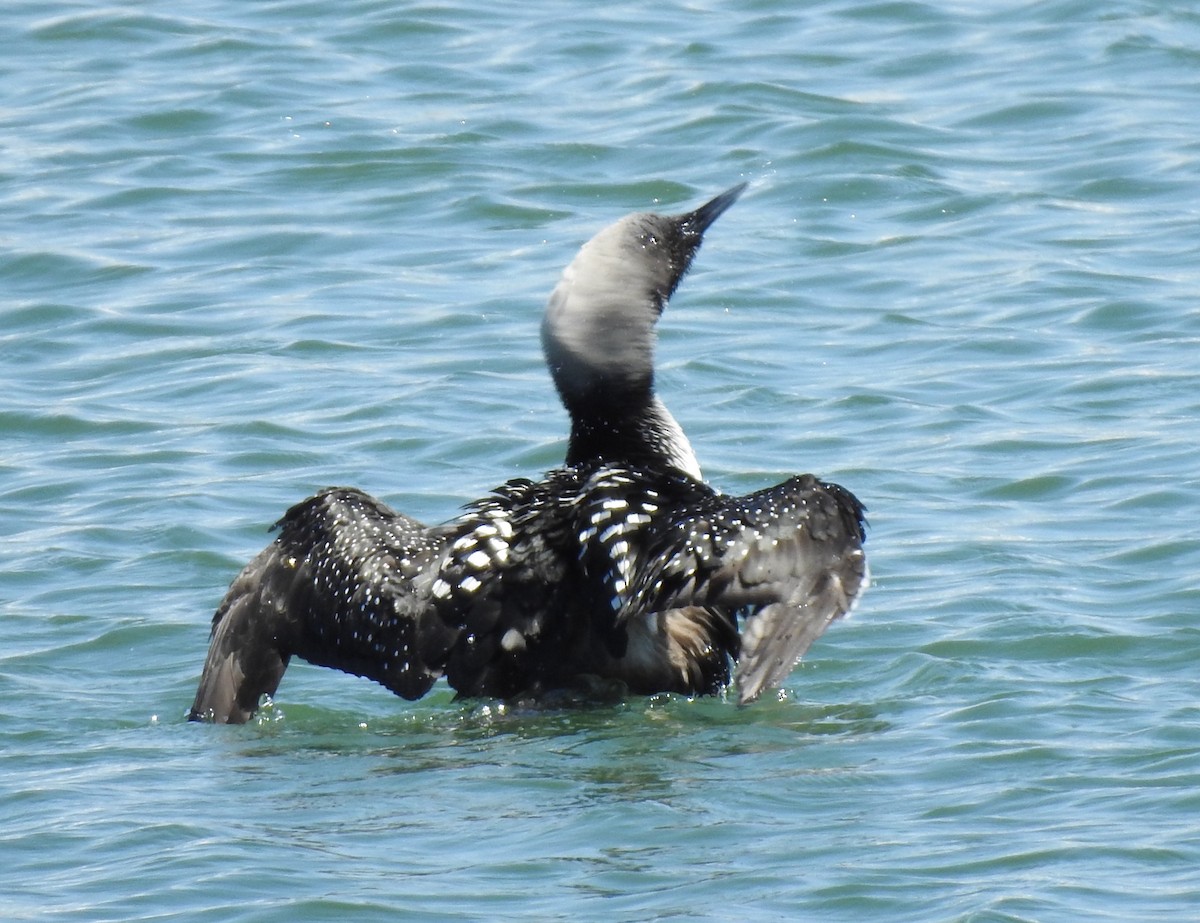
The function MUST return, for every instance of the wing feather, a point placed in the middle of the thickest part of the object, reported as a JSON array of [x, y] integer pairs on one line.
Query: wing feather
[[341, 586], [789, 558]]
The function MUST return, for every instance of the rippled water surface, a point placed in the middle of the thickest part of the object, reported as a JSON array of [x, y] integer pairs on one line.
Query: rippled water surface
[[250, 250]]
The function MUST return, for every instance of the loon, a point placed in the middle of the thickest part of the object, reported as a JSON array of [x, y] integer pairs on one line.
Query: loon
[[621, 566]]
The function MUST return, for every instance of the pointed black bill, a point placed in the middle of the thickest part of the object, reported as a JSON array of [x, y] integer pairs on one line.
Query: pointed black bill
[[698, 222]]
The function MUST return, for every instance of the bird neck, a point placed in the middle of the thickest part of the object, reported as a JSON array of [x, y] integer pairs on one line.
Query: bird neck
[[630, 428]]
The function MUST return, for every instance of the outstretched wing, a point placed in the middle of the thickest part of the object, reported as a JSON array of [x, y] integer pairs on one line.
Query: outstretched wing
[[790, 557], [812, 567], [340, 587]]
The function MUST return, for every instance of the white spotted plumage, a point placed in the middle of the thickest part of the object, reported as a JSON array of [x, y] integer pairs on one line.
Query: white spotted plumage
[[622, 565]]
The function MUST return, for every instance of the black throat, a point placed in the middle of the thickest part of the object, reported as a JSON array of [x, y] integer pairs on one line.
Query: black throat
[[624, 428]]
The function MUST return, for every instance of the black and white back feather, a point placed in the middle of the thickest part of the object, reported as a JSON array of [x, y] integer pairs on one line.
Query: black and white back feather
[[629, 575]]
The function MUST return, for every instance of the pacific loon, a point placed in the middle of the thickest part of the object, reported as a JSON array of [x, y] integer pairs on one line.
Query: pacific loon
[[622, 565]]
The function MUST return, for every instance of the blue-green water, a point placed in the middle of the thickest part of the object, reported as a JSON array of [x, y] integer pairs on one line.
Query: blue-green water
[[249, 250]]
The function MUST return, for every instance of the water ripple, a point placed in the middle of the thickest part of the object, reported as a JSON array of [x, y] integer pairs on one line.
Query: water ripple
[[254, 250]]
